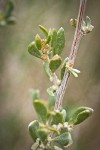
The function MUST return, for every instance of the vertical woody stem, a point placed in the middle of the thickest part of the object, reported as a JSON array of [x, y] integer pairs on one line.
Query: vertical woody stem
[[76, 41]]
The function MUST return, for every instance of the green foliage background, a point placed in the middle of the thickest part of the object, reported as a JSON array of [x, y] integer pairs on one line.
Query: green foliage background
[[19, 71]]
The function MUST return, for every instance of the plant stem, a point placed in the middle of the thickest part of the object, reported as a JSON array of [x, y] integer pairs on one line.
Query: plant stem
[[76, 41]]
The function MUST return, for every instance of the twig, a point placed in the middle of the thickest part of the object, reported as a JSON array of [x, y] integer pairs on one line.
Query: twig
[[77, 37]]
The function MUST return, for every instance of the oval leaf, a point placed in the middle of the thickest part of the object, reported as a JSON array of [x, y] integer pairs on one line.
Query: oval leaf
[[58, 41], [41, 110], [33, 50], [63, 139], [57, 118], [80, 115], [54, 40], [42, 134], [55, 62], [33, 126]]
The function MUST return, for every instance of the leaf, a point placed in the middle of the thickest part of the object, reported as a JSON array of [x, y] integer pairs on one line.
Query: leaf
[[47, 69], [33, 126], [63, 139], [10, 7], [35, 94], [60, 42], [57, 118], [54, 40], [81, 114], [51, 102], [42, 134], [33, 50], [38, 42], [41, 110], [63, 68], [45, 31], [55, 62], [49, 37]]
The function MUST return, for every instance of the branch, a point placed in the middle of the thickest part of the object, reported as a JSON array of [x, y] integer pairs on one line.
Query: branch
[[76, 41]]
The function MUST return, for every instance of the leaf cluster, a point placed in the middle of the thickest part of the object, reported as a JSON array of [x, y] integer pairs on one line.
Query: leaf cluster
[[53, 131]]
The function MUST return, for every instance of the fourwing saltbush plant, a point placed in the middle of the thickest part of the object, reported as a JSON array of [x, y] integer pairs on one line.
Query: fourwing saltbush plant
[[6, 17], [52, 131]]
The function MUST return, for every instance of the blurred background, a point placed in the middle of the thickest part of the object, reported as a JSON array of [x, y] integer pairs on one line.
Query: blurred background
[[19, 71]]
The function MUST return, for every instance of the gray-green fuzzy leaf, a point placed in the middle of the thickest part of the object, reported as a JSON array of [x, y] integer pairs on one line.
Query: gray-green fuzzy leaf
[[63, 139], [55, 62], [80, 115], [58, 41], [41, 110], [57, 118], [33, 50], [33, 126], [42, 134]]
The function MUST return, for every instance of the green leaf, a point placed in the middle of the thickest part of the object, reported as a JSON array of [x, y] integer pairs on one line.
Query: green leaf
[[38, 42], [45, 31], [41, 110], [63, 139], [51, 102], [57, 118], [54, 40], [58, 41], [81, 114], [33, 126], [33, 50], [49, 37], [42, 134], [47, 69], [55, 62], [63, 68], [10, 7], [35, 94]]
